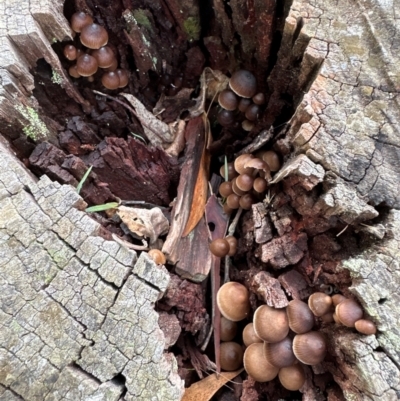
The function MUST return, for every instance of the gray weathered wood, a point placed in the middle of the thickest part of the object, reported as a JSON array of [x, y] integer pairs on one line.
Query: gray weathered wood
[[73, 303]]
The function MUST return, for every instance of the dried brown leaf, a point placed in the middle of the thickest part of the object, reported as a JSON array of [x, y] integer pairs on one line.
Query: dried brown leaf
[[204, 389], [211, 83], [156, 130], [201, 186]]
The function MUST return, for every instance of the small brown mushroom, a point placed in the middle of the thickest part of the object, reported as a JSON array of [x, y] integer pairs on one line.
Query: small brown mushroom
[[300, 317], [260, 185], [271, 324], [292, 377], [105, 56], [272, 159], [310, 348], [280, 354], [228, 329], [94, 36], [232, 245], [231, 171], [231, 356], [73, 71], [158, 257], [259, 98], [70, 52], [123, 78], [252, 112], [110, 80], [240, 161], [219, 247], [86, 65], [233, 301], [249, 335], [320, 303], [256, 365], [365, 326], [348, 312], [243, 83], [246, 201], [79, 20], [226, 117], [236, 189], [244, 182], [228, 100], [244, 104], [225, 189], [232, 201], [247, 125]]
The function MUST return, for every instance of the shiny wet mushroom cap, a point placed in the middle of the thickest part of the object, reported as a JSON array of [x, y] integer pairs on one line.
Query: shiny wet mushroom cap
[[292, 377], [256, 365], [228, 100], [310, 348], [231, 356], [233, 301], [105, 56], [79, 20], [110, 80], [271, 324], [94, 36], [243, 83], [86, 65]]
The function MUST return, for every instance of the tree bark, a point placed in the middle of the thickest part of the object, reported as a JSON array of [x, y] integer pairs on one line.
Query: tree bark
[[77, 308]]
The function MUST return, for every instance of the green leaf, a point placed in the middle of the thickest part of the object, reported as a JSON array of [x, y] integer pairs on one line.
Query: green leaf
[[84, 178], [101, 208]]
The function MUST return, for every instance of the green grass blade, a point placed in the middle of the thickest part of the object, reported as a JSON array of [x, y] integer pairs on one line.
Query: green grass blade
[[101, 208], [84, 178]]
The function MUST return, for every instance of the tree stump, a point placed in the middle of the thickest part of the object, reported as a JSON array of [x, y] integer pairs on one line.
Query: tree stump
[[78, 319]]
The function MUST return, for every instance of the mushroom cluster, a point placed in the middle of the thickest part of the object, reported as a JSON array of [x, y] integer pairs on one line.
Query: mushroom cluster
[[280, 341], [240, 102], [97, 54], [248, 177]]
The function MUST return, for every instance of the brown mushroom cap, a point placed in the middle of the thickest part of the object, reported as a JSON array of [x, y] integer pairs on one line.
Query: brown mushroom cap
[[240, 161], [244, 182], [348, 312], [231, 356], [232, 201], [337, 299], [123, 78], [70, 52], [225, 189], [271, 324], [233, 301], [252, 112], [157, 256], [105, 56], [365, 326], [73, 71], [231, 171], [94, 36], [246, 201], [228, 100], [272, 159], [226, 117], [244, 104], [259, 98], [247, 125], [292, 377], [310, 348], [249, 335], [256, 364], [228, 329], [219, 247], [320, 303], [232, 244], [300, 317], [280, 354], [86, 65], [243, 83], [110, 80], [236, 190], [113, 67], [260, 185], [79, 20]]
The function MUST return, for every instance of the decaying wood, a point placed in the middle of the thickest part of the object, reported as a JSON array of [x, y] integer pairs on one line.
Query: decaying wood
[[74, 303]]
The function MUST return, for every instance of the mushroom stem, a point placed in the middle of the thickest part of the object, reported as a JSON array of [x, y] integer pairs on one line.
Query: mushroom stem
[[231, 231]]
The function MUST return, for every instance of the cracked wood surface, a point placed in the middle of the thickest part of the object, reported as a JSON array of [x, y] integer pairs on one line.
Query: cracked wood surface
[[76, 310], [348, 119]]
